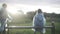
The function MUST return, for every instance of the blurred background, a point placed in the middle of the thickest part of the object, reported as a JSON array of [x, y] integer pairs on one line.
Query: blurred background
[[23, 11]]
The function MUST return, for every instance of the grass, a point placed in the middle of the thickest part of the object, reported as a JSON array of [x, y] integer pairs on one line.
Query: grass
[[30, 31]]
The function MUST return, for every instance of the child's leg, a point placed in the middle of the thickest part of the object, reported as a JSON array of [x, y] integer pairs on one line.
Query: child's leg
[[4, 32], [43, 31], [0, 32]]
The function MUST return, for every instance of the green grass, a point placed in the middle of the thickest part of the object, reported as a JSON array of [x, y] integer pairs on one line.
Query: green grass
[[30, 31]]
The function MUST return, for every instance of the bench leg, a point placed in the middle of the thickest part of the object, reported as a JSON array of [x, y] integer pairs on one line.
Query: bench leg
[[34, 32]]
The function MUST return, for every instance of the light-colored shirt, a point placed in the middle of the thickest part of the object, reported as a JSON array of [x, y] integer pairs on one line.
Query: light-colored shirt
[[39, 20], [4, 18]]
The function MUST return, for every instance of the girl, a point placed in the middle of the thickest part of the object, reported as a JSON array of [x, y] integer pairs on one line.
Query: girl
[[39, 20]]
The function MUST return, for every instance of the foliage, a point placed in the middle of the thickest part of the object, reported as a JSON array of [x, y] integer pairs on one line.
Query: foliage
[[26, 20]]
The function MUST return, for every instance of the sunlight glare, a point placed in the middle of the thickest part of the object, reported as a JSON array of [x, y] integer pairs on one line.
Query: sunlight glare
[[11, 10]]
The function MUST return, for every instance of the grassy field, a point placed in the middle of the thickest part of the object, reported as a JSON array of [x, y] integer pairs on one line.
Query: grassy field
[[30, 31]]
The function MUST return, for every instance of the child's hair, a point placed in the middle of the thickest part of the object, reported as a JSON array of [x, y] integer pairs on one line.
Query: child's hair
[[4, 4], [39, 11]]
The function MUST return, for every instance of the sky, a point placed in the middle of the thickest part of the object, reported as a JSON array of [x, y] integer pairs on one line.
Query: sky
[[48, 6]]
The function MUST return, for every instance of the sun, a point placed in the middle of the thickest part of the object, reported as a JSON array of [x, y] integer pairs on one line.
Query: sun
[[11, 10]]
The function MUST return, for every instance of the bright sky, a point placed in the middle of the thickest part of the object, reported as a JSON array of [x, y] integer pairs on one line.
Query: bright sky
[[25, 8], [48, 6]]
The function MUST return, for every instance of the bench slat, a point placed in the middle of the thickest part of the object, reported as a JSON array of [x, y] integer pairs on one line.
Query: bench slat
[[25, 27]]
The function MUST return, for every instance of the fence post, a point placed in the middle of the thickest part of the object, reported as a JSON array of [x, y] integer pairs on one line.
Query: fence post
[[53, 28]]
